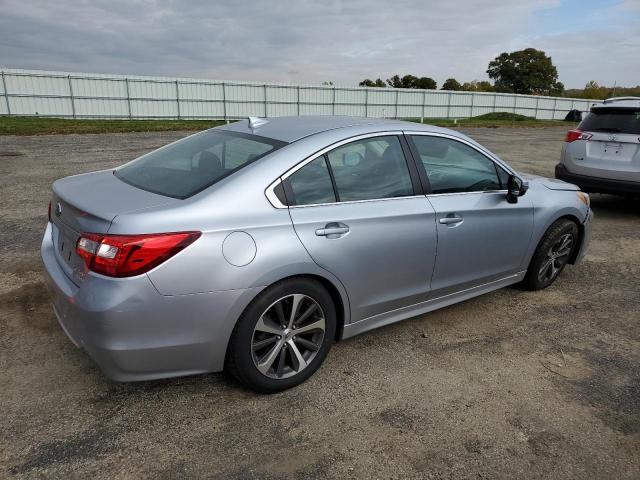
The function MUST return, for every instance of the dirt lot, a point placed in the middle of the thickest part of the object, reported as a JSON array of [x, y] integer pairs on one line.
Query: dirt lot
[[512, 384]]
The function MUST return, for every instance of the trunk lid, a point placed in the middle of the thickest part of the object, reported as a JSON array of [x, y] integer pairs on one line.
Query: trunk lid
[[89, 203]]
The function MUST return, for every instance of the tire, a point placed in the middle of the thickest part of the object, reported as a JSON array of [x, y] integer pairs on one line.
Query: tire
[[267, 356], [552, 254]]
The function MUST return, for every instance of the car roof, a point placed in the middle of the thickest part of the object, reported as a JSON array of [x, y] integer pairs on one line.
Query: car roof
[[619, 102], [291, 129]]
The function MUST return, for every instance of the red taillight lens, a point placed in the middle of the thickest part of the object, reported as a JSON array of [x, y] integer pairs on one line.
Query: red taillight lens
[[130, 255], [573, 135]]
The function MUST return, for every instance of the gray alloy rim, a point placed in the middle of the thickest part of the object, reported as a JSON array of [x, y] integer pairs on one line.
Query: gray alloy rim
[[288, 336], [556, 258]]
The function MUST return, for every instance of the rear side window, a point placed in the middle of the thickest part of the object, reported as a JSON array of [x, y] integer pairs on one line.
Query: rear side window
[[613, 120], [312, 184], [370, 169], [190, 165], [453, 167]]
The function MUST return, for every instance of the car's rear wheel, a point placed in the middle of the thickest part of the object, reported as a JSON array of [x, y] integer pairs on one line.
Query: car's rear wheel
[[552, 254], [283, 336]]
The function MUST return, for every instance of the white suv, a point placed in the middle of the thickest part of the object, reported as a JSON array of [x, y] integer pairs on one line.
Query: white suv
[[603, 154]]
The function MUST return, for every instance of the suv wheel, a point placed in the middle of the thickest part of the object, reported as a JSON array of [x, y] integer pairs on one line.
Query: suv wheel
[[283, 336]]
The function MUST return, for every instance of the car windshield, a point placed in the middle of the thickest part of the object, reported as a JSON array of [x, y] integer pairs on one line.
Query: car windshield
[[613, 120], [188, 166]]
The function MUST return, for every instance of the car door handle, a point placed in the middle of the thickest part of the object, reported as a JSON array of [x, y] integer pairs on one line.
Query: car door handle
[[450, 220], [333, 230]]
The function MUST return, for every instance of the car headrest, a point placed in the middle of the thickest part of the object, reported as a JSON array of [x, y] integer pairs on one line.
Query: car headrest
[[209, 163]]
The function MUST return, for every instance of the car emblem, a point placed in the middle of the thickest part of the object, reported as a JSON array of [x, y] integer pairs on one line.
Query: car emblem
[[612, 137], [58, 209]]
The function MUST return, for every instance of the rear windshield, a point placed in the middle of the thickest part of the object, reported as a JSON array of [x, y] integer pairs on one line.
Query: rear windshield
[[188, 166], [614, 120]]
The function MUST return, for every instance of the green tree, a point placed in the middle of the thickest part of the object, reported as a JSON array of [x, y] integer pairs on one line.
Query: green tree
[[477, 86], [411, 81], [527, 71], [451, 84], [378, 82]]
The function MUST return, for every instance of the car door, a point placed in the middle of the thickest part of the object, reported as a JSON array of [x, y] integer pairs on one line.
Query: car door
[[358, 209], [481, 236]]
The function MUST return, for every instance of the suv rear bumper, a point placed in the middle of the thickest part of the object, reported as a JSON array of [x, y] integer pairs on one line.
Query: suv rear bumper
[[596, 184]]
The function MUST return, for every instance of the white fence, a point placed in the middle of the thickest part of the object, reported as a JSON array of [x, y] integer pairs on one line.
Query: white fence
[[87, 95]]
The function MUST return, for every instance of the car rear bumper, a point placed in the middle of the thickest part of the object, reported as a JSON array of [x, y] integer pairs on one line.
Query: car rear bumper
[[596, 184], [133, 332]]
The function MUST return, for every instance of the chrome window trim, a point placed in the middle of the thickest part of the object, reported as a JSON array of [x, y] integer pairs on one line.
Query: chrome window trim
[[484, 192], [348, 202], [273, 199], [271, 194]]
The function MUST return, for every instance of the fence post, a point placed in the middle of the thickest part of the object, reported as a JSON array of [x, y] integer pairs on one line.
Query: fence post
[[6, 93], [224, 103], [264, 92], [178, 98], [126, 83], [473, 96], [366, 102], [537, 103], [495, 100], [449, 105], [333, 102], [515, 100], [73, 105], [396, 112], [298, 100], [424, 103], [555, 103]]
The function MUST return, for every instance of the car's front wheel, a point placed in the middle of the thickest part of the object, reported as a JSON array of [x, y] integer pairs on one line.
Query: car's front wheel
[[552, 254], [283, 336]]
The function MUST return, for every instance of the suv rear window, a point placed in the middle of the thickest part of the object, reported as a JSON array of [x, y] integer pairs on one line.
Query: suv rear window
[[188, 166], [613, 120]]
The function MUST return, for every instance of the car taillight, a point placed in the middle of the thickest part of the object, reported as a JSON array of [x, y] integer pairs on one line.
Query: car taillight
[[129, 255], [573, 135]]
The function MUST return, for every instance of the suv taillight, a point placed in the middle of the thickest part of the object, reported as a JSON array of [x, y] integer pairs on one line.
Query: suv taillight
[[573, 135], [130, 255]]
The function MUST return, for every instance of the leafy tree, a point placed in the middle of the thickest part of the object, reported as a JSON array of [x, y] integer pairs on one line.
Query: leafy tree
[[378, 82], [527, 71], [477, 86], [411, 81], [451, 84]]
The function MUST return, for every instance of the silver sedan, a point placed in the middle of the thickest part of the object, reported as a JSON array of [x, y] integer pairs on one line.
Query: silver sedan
[[252, 247]]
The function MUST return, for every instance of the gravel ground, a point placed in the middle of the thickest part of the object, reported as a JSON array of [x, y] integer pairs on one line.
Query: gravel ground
[[512, 384]]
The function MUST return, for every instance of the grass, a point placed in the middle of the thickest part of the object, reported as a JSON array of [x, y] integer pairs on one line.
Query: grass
[[495, 120], [51, 126]]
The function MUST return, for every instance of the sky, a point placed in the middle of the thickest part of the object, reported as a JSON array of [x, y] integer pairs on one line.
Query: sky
[[313, 41]]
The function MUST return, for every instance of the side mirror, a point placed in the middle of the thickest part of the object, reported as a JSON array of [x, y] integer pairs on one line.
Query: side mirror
[[515, 188]]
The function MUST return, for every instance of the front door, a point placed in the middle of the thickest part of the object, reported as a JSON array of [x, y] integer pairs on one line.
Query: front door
[[481, 236], [357, 213]]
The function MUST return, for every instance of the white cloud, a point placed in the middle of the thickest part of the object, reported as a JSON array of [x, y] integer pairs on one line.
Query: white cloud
[[303, 41]]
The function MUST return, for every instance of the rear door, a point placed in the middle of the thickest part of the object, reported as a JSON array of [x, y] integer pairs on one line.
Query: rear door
[[613, 151], [481, 236], [359, 211]]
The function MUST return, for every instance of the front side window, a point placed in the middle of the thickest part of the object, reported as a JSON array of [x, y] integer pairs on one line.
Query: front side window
[[190, 165], [372, 168], [453, 167]]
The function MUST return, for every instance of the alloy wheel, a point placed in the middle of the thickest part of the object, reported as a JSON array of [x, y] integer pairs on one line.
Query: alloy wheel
[[288, 336], [556, 258]]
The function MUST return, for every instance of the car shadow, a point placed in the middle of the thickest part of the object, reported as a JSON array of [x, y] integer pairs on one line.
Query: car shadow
[[613, 205]]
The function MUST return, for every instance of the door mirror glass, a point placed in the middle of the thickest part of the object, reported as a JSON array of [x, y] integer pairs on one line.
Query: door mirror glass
[[515, 188]]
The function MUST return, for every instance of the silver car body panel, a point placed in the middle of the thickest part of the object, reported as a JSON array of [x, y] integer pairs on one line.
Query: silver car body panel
[[396, 260]]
